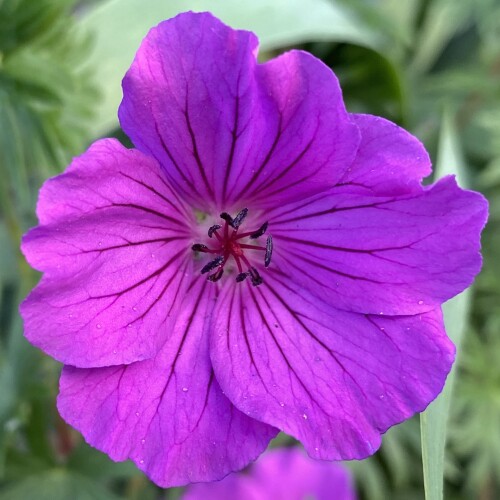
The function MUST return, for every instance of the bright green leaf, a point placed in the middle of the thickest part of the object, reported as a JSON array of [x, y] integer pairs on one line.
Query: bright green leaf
[[434, 419]]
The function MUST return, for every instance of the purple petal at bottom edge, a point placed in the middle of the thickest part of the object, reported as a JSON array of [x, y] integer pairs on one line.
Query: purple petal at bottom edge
[[167, 414], [280, 474]]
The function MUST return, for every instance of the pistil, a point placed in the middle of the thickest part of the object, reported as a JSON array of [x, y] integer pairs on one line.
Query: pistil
[[227, 243]]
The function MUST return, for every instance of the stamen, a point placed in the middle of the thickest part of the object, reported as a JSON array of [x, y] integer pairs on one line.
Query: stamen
[[225, 216], [269, 251], [237, 221], [262, 229], [212, 229], [230, 243], [218, 261], [216, 276], [255, 276], [198, 247]]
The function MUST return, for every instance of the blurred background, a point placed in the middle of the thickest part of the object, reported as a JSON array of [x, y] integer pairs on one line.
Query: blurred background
[[432, 66]]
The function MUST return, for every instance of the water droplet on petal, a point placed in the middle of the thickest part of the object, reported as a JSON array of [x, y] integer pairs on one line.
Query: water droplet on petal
[[185, 389], [98, 326], [134, 308], [381, 313], [282, 404], [136, 413], [316, 449], [304, 416], [114, 351], [143, 441], [70, 315], [141, 461], [420, 302]]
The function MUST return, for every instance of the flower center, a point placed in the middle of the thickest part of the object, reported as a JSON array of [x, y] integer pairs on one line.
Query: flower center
[[228, 243]]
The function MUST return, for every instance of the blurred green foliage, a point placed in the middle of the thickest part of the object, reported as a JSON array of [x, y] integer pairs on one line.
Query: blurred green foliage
[[61, 62]]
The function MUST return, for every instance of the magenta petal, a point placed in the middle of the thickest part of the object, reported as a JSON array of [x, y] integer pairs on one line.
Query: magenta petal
[[228, 130], [389, 161], [288, 474], [334, 380], [280, 474], [380, 254], [114, 247], [167, 414]]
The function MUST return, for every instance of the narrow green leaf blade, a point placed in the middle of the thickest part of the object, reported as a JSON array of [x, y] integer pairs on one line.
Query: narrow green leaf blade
[[443, 20], [433, 421]]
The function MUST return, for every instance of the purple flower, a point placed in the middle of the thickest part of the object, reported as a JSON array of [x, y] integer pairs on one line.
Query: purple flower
[[280, 474], [331, 330]]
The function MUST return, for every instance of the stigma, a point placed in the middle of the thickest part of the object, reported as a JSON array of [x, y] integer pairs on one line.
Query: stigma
[[228, 243]]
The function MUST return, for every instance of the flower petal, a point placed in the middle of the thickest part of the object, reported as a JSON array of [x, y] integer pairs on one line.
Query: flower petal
[[115, 250], [228, 130], [288, 473], [282, 473], [390, 161], [380, 254], [167, 414], [334, 380]]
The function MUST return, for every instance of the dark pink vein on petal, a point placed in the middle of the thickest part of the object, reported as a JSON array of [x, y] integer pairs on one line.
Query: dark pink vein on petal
[[195, 151], [234, 139], [176, 165]]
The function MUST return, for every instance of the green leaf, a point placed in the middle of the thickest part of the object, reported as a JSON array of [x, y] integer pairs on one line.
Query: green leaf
[[96, 465], [474, 430], [434, 420], [280, 23], [46, 101], [57, 484], [443, 20]]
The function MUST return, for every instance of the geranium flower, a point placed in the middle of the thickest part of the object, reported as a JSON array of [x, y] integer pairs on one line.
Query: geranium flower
[[280, 474], [330, 331]]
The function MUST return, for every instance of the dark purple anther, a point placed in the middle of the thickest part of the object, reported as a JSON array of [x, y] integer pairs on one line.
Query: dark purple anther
[[262, 229], [216, 276], [213, 264], [269, 251], [225, 216], [255, 276], [198, 247], [212, 229], [240, 218]]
